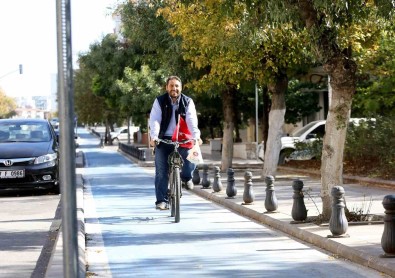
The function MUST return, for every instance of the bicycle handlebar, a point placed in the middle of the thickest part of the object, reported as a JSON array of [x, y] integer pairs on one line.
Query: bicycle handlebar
[[174, 143]]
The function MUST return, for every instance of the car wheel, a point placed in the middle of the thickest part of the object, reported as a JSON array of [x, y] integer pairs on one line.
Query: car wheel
[[115, 140], [283, 156]]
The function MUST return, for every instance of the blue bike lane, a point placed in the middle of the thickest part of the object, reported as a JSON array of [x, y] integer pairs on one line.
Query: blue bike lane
[[127, 237]]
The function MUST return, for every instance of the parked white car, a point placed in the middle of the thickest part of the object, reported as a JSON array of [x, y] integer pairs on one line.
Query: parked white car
[[308, 133], [121, 133]]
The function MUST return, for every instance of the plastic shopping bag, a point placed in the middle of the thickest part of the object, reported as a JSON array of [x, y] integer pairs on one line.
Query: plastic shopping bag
[[195, 155]]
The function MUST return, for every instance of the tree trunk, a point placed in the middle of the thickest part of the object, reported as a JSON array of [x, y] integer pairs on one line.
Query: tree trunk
[[265, 117], [342, 82], [107, 134], [211, 132], [276, 122], [227, 139], [341, 69], [236, 119]]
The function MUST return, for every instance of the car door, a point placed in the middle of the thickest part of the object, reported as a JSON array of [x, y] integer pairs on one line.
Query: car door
[[123, 135]]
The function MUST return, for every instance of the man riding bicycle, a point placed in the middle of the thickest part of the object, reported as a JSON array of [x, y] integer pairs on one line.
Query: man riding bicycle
[[165, 112]]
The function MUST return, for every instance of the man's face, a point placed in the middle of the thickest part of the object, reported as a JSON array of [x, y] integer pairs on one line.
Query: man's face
[[173, 88]]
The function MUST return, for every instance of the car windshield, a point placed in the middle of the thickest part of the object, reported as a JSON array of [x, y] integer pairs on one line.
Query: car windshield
[[24, 132], [302, 130]]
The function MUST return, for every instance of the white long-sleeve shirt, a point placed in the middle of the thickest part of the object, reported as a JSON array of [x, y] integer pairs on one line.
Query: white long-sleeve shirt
[[156, 118]]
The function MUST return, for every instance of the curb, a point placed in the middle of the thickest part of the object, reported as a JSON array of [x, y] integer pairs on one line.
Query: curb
[[79, 159], [54, 269], [81, 225], [327, 244]]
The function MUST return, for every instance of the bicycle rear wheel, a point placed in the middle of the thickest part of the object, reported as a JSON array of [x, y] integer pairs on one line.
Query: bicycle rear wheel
[[177, 193]]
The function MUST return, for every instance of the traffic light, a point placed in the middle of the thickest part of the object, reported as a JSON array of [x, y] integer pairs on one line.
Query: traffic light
[[20, 69]]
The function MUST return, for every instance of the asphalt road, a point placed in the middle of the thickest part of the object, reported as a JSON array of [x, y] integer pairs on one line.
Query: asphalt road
[[127, 237], [27, 219]]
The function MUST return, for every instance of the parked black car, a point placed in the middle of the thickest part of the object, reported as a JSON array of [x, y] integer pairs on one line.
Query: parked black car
[[28, 155]]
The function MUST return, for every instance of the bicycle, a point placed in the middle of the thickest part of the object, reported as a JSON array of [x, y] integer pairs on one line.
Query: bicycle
[[175, 164]]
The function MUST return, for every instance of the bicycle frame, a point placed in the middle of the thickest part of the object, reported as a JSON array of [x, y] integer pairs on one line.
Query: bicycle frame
[[175, 165]]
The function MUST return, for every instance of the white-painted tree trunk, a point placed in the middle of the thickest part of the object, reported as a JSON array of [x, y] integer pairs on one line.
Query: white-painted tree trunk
[[276, 122], [338, 63], [334, 141]]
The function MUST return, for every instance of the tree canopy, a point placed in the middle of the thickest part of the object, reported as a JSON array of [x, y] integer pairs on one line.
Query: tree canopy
[[218, 45], [7, 106], [140, 88], [338, 32], [375, 93]]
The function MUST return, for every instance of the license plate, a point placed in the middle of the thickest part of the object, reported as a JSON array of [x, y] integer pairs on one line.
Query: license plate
[[12, 174]]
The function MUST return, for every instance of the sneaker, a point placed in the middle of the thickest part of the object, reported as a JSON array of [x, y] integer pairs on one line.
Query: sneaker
[[188, 185], [162, 206]]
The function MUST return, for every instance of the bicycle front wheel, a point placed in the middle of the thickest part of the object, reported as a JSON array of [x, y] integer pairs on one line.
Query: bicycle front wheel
[[177, 193], [170, 193]]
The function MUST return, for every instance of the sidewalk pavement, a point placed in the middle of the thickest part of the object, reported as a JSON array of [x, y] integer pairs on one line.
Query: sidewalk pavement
[[361, 243]]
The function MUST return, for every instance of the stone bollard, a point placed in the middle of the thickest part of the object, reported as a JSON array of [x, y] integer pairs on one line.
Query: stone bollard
[[248, 195], [271, 203], [299, 211], [217, 184], [338, 224], [231, 190], [196, 176], [388, 237], [205, 181]]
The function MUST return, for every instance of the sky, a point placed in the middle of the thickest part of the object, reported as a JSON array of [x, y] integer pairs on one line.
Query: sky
[[28, 37]]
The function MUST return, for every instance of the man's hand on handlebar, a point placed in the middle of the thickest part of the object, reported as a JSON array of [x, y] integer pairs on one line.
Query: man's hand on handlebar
[[154, 142]]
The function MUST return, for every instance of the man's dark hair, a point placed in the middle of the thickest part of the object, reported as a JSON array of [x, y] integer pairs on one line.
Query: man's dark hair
[[172, 78]]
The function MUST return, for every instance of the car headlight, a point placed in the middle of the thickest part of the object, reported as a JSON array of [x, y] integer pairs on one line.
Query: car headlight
[[46, 158]]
